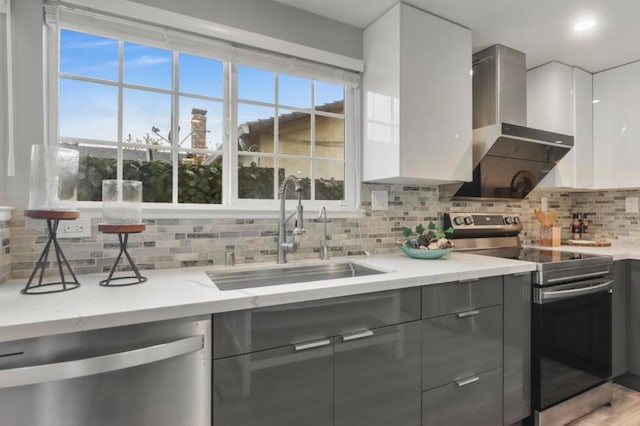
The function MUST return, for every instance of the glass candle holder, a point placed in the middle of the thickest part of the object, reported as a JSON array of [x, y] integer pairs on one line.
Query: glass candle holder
[[121, 202], [53, 178]]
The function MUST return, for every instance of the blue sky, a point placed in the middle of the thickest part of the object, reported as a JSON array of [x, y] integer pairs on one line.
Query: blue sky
[[89, 110]]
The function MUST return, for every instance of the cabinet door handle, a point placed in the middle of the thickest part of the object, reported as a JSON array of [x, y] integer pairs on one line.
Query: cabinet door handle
[[470, 280], [468, 381], [521, 274], [468, 313], [311, 345], [358, 335]]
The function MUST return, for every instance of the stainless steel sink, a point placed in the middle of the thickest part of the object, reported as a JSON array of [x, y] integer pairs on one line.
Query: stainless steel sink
[[235, 280]]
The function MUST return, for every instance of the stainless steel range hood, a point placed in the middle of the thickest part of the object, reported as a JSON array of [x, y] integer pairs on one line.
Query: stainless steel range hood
[[509, 159]]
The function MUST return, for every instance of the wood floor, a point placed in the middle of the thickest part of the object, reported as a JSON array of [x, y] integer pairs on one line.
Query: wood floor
[[624, 410]]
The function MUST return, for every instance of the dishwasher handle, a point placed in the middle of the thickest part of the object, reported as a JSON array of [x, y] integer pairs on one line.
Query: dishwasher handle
[[32, 375]]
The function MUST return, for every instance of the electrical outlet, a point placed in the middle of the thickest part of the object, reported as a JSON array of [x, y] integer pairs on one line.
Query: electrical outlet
[[379, 200], [544, 204], [631, 205], [78, 228]]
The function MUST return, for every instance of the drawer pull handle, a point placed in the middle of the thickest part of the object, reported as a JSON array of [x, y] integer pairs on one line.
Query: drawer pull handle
[[358, 335], [470, 280], [468, 381], [468, 313], [311, 345]]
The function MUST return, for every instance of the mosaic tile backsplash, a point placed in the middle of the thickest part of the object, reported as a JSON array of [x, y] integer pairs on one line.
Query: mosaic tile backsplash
[[5, 251], [176, 243]]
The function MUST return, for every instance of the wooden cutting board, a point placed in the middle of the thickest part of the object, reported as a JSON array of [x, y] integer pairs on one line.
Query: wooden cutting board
[[586, 243]]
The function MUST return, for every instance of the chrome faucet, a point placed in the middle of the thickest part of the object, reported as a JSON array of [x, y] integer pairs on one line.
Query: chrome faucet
[[324, 247], [285, 246]]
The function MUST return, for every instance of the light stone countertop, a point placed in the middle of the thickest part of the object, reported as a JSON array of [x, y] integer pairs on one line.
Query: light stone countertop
[[619, 250], [177, 293]]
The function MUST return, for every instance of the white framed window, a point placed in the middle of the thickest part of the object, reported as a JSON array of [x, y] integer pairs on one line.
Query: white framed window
[[202, 123]]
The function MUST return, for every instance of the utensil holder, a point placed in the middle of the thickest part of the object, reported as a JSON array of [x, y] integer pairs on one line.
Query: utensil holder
[[550, 236]]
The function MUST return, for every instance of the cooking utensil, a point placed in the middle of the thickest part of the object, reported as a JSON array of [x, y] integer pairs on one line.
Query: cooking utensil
[[542, 218], [552, 217]]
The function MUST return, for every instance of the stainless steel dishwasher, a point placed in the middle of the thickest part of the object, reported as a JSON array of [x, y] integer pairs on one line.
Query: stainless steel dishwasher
[[155, 374]]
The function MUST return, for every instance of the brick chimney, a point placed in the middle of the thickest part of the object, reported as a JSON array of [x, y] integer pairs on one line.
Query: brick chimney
[[198, 128]]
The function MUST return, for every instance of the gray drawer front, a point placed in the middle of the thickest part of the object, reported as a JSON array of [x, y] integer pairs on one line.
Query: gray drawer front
[[454, 348], [476, 404], [278, 387], [247, 331], [443, 299]]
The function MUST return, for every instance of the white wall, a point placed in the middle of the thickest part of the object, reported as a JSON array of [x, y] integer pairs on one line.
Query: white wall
[[3, 113], [263, 16]]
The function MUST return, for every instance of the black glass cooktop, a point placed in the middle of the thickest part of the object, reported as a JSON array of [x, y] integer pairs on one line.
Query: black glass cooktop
[[550, 256]]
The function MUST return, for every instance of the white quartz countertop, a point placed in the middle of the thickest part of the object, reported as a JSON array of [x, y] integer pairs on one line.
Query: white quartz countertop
[[177, 293], [619, 250]]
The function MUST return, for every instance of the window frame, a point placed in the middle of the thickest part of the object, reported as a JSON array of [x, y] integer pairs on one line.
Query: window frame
[[230, 204]]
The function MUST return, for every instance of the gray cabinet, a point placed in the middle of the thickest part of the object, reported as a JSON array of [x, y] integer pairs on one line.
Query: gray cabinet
[[633, 318], [376, 377], [461, 296], [517, 347], [473, 401], [619, 271], [346, 361], [283, 386], [460, 345]]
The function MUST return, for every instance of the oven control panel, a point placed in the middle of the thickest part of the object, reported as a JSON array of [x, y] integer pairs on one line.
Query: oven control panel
[[488, 222]]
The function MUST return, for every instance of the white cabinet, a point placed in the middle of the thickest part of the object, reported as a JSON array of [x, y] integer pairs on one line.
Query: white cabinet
[[559, 99], [616, 127], [417, 99]]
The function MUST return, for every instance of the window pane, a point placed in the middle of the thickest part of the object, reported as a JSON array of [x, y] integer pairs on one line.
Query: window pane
[[329, 137], [256, 84], [88, 55], [329, 97], [97, 163], [255, 128], [298, 168], [294, 91], [329, 180], [200, 178], [146, 117], [88, 110], [201, 76], [294, 133], [153, 168], [255, 177], [200, 124], [147, 66]]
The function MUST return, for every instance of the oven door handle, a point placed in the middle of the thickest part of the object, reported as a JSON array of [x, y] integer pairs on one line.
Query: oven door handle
[[550, 295]]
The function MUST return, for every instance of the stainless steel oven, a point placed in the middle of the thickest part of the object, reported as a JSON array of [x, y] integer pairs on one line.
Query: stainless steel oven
[[570, 316], [571, 345]]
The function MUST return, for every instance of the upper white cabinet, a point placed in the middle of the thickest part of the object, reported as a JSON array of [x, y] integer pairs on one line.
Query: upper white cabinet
[[616, 127], [417, 99], [559, 99]]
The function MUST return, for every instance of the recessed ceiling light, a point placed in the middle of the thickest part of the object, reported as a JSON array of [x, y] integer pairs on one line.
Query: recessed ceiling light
[[584, 25]]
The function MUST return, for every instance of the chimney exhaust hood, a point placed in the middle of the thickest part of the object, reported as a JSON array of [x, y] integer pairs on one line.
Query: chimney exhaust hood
[[509, 159]]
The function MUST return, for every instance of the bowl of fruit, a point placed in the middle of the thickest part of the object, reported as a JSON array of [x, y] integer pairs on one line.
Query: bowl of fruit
[[429, 243]]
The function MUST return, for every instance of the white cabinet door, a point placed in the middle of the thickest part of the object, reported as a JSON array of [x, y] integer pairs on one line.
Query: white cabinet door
[[559, 100], [417, 99], [616, 127]]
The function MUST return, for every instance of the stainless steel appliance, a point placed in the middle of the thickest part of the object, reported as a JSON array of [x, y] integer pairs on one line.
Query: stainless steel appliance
[[571, 316], [509, 159], [156, 374]]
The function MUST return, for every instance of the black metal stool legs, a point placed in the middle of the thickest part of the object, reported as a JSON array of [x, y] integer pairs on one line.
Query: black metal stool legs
[[123, 238], [41, 264]]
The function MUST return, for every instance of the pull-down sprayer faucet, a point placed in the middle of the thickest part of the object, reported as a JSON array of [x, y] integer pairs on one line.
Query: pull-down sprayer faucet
[[285, 246]]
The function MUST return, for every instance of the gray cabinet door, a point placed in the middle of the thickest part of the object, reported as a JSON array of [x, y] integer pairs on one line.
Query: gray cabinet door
[[461, 345], [633, 319], [517, 347], [619, 318], [473, 401], [377, 377], [277, 387]]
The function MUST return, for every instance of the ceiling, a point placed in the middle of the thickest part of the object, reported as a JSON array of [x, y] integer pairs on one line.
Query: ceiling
[[542, 29]]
